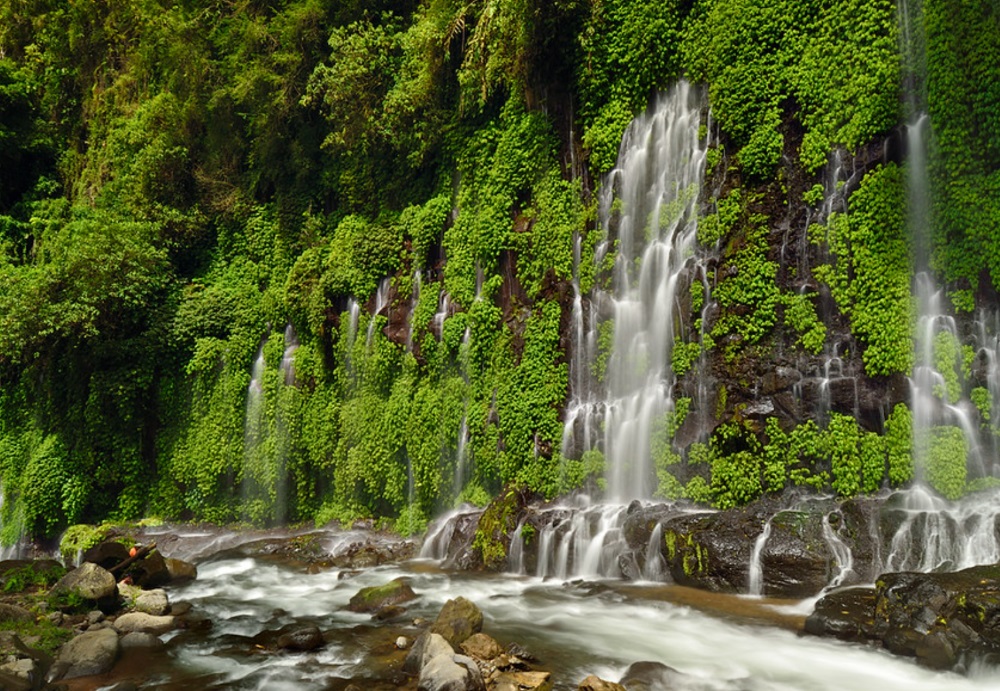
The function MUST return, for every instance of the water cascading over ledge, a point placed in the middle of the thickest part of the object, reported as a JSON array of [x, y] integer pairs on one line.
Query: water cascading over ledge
[[648, 209]]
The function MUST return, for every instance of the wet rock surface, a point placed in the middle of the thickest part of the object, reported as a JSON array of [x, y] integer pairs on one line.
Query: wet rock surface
[[376, 598], [944, 620]]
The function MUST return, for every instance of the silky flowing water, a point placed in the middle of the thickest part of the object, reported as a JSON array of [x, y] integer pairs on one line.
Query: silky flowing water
[[574, 628]]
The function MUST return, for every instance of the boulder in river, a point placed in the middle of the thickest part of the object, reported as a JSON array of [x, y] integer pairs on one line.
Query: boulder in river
[[942, 619], [307, 637], [92, 652], [459, 619], [89, 582], [451, 673], [376, 597]]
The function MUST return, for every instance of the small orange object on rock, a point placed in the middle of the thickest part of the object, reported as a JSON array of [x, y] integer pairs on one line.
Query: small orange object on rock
[[132, 552]]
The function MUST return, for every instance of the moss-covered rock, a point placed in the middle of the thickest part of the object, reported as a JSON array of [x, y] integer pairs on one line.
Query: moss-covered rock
[[491, 544], [942, 619], [376, 597]]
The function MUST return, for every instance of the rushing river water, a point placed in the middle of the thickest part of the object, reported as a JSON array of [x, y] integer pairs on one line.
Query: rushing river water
[[574, 628]]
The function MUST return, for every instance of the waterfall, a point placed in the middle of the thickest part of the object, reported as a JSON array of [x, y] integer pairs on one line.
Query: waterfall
[[381, 302], [254, 435], [288, 357], [936, 535], [264, 485], [657, 185], [841, 551], [755, 576]]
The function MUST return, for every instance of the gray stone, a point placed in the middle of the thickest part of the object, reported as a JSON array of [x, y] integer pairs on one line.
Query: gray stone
[[93, 652], [481, 646], [459, 619], [181, 571], [90, 582], [302, 638], [140, 621], [428, 645], [95, 617], [450, 673], [153, 602], [141, 640]]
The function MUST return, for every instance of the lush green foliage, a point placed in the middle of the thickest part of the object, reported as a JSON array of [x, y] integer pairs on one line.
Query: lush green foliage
[[398, 185], [870, 278]]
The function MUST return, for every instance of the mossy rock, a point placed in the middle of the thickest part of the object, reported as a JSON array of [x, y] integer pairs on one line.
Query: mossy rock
[[378, 596], [498, 522]]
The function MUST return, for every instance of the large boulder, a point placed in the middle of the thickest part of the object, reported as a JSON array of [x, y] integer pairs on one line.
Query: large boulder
[[376, 597], [451, 673], [89, 582], [106, 554], [151, 571], [427, 646], [459, 619], [92, 652], [939, 618], [847, 614]]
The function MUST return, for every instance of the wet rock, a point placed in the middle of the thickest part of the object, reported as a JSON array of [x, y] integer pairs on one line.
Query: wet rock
[[937, 617], [456, 541], [459, 619], [593, 683], [496, 525], [107, 554], [148, 623], [153, 602], [845, 614], [89, 582], [523, 681], [451, 673], [656, 676], [150, 572], [141, 640], [427, 646], [713, 550], [389, 613], [402, 643], [301, 638], [180, 571], [180, 609], [376, 597], [93, 652], [481, 646], [942, 619]]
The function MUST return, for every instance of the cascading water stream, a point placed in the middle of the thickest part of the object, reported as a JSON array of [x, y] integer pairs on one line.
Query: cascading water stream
[[755, 584], [381, 302], [657, 182]]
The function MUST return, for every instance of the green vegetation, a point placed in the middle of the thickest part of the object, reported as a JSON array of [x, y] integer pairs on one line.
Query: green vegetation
[[182, 182], [870, 278]]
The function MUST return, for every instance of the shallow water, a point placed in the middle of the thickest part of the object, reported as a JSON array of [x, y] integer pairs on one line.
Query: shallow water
[[574, 629]]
